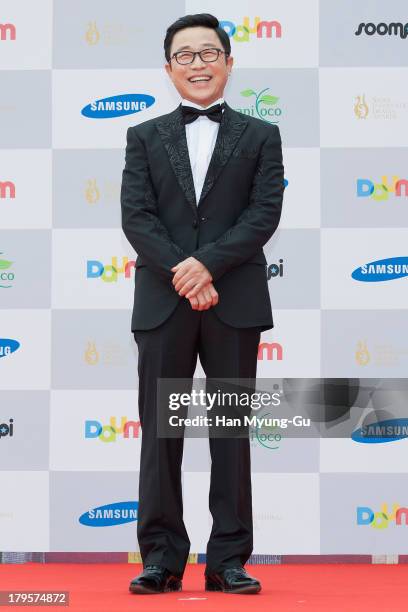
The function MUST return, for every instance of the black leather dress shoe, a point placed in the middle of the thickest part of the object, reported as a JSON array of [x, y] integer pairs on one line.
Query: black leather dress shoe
[[232, 580], [153, 580]]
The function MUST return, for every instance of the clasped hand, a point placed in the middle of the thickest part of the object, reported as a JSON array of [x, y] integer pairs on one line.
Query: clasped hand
[[193, 280]]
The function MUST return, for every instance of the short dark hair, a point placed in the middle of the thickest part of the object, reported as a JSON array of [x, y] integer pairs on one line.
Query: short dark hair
[[205, 20]]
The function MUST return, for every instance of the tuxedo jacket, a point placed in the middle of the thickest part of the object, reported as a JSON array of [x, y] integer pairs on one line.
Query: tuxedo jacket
[[238, 211]]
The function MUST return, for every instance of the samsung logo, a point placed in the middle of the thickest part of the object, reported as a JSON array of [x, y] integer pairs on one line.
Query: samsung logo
[[117, 106], [390, 430], [382, 270], [111, 514], [8, 346]]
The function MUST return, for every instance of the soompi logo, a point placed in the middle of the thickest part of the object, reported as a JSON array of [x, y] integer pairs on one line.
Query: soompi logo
[[108, 433], [7, 429], [275, 269], [381, 191], [383, 29], [262, 29], [109, 273], [381, 520]]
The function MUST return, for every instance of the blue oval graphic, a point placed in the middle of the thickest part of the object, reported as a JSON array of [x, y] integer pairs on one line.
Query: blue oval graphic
[[110, 514], [117, 106], [8, 346], [382, 270], [389, 430]]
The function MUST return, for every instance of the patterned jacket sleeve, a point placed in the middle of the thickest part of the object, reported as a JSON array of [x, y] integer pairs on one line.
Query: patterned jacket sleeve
[[140, 223]]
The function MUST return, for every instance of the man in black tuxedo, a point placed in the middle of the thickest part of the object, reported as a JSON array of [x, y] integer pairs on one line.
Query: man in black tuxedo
[[201, 194]]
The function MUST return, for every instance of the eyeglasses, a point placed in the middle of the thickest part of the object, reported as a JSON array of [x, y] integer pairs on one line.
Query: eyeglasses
[[206, 55]]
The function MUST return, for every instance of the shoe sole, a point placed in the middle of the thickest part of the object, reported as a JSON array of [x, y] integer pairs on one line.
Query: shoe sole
[[249, 590], [141, 590]]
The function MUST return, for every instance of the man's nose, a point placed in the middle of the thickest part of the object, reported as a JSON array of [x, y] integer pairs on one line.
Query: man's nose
[[200, 62]]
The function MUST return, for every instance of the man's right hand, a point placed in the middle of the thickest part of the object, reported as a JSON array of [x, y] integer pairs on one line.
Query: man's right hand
[[205, 298]]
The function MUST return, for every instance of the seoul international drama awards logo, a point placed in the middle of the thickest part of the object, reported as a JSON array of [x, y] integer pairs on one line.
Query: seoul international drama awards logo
[[361, 109]]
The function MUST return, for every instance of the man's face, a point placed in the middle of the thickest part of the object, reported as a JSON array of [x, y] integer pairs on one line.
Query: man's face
[[185, 77]]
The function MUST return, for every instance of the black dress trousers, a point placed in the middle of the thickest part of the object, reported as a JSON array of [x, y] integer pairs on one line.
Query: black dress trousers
[[170, 351]]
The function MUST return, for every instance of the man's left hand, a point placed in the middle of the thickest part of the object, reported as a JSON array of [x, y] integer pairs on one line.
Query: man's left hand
[[190, 277]]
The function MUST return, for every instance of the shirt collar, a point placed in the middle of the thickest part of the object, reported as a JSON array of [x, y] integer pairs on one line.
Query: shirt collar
[[186, 102]]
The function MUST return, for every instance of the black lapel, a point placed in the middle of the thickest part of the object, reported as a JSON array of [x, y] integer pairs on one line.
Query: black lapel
[[173, 134], [231, 128]]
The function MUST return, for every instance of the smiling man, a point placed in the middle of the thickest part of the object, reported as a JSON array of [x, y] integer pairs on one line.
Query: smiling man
[[201, 195]]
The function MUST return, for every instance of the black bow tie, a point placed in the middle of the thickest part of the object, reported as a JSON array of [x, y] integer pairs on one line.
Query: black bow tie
[[190, 113]]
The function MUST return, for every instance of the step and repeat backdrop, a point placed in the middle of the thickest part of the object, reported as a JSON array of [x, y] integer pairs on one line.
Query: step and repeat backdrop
[[333, 76]]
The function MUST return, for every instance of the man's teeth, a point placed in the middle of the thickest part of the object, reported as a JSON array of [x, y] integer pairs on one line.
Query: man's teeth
[[199, 79]]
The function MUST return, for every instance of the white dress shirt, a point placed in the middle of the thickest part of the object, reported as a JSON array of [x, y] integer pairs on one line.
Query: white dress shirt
[[201, 135]]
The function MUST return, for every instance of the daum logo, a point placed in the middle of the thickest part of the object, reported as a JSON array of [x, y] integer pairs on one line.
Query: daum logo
[[244, 31], [111, 514], [117, 106], [7, 31], [389, 430], [264, 105], [271, 351], [383, 29], [6, 275], [109, 273], [381, 520], [108, 433], [7, 190], [275, 270], [8, 346], [367, 188], [7, 429], [382, 270]]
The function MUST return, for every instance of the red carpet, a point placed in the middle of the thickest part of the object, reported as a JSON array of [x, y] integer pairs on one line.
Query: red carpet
[[103, 587]]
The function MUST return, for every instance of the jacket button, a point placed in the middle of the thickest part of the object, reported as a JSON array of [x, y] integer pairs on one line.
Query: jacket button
[[195, 223], [203, 218]]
